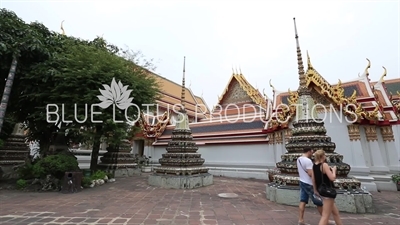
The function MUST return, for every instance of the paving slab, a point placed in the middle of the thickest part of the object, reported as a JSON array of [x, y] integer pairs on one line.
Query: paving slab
[[131, 201]]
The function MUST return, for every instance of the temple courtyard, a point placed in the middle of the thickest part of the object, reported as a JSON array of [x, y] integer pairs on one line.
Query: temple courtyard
[[132, 201]]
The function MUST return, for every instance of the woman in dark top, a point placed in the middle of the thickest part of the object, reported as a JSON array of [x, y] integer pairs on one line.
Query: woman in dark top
[[322, 173]]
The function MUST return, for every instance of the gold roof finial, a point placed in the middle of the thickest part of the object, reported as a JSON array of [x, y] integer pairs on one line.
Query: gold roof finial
[[183, 84], [302, 77], [233, 71], [236, 71], [265, 95], [272, 86], [309, 65], [62, 28], [383, 75], [368, 66], [240, 71]]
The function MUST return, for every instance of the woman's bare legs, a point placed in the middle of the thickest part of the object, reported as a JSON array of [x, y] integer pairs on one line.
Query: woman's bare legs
[[336, 216], [327, 210]]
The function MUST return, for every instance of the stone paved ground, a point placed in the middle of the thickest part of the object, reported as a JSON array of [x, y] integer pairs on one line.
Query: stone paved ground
[[132, 201]]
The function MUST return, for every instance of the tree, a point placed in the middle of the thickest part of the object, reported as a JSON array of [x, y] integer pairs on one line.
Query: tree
[[71, 74], [18, 41], [78, 72]]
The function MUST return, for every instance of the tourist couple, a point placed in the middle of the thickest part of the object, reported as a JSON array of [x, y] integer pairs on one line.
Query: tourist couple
[[312, 176]]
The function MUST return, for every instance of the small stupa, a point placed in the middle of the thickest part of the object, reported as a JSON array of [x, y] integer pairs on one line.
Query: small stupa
[[181, 167], [14, 153], [309, 132], [119, 161]]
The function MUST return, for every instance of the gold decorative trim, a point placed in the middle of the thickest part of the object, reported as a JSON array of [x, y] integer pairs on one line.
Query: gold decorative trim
[[154, 131], [354, 132], [335, 93], [253, 93], [287, 133], [370, 133], [271, 139], [387, 133], [396, 104], [278, 137]]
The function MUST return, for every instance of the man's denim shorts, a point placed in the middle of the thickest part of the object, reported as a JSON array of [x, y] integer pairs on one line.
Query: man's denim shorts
[[307, 192]]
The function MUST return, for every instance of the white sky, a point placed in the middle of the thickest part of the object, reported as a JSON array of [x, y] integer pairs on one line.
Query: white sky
[[256, 35]]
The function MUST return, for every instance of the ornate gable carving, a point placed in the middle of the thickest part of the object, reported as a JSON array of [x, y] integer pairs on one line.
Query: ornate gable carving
[[235, 94]]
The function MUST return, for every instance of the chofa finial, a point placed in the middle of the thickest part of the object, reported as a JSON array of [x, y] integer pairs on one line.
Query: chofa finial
[[383, 75], [272, 86], [368, 66], [309, 65], [62, 28]]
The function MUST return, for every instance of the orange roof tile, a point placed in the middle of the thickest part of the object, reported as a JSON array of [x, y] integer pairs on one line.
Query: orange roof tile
[[171, 90]]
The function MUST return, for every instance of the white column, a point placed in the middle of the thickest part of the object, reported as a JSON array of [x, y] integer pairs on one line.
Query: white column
[[358, 162], [378, 162], [389, 149]]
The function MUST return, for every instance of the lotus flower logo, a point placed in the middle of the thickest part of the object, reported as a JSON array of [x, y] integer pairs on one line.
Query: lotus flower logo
[[117, 94]]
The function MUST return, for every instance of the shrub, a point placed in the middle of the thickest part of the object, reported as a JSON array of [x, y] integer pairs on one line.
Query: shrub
[[396, 178], [55, 165], [26, 171], [21, 184], [98, 175], [110, 175], [86, 182]]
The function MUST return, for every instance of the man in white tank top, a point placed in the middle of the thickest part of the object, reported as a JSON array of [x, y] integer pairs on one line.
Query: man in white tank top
[[304, 167]]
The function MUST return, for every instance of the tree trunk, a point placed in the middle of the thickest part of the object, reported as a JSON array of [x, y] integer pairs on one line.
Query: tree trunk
[[96, 149], [7, 91]]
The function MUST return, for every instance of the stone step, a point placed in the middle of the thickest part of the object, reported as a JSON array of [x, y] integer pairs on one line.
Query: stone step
[[11, 162]]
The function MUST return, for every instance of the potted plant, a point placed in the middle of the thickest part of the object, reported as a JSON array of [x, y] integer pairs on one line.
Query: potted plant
[[146, 168], [396, 180], [272, 172]]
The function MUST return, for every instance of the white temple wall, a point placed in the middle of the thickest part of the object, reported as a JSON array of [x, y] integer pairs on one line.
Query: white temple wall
[[365, 147], [396, 134], [390, 147], [372, 161], [151, 151], [135, 147], [337, 129]]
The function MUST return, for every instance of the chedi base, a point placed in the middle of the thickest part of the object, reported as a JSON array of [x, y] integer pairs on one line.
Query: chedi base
[[353, 202], [181, 182]]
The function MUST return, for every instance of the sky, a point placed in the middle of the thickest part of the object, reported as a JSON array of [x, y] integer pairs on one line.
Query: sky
[[256, 36]]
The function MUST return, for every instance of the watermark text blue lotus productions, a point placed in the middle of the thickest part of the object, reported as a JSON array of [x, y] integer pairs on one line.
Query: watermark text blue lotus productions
[[231, 113], [118, 96]]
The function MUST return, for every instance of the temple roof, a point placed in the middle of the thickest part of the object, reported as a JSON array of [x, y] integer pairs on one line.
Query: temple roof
[[249, 129], [171, 95], [239, 90], [372, 100]]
